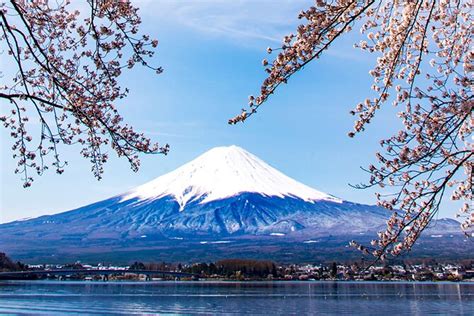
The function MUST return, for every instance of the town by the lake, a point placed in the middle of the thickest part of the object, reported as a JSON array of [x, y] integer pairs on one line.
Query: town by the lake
[[241, 270]]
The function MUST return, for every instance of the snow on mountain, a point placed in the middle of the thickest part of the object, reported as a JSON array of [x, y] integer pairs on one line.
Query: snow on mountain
[[226, 203], [224, 172]]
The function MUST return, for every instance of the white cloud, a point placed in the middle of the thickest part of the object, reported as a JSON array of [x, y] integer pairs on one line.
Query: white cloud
[[247, 21], [256, 23]]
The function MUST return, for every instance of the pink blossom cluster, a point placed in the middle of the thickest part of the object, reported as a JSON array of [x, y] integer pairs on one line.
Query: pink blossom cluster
[[424, 65], [67, 71], [325, 22]]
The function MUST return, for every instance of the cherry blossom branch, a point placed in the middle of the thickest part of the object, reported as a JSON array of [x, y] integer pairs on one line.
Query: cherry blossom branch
[[67, 71], [426, 158]]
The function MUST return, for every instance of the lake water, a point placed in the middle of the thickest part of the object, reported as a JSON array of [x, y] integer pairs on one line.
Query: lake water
[[250, 298]]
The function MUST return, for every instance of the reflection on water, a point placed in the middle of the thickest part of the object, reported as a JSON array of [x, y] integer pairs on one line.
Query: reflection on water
[[52, 297]]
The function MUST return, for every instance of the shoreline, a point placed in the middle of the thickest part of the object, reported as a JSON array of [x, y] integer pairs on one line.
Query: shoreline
[[213, 281]]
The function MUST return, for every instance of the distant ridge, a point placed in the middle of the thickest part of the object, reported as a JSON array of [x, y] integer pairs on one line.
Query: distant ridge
[[225, 203]]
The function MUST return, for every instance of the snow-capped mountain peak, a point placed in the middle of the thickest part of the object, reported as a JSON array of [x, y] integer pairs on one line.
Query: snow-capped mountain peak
[[224, 172], [254, 208]]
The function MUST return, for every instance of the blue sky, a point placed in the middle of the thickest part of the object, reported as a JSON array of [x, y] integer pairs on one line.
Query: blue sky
[[211, 52]]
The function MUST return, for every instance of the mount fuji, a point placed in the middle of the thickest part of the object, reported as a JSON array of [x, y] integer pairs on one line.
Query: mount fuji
[[226, 202]]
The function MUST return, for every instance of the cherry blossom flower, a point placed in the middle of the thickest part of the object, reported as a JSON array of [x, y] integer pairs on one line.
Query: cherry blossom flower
[[424, 67], [66, 77]]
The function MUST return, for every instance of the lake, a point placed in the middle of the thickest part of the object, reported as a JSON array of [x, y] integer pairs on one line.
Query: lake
[[206, 297]]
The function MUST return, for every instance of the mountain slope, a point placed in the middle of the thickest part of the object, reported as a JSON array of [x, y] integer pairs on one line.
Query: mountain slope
[[225, 197], [224, 172]]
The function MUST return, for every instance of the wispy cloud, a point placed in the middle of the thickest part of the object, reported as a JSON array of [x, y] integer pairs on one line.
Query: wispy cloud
[[165, 134], [255, 23], [246, 21]]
